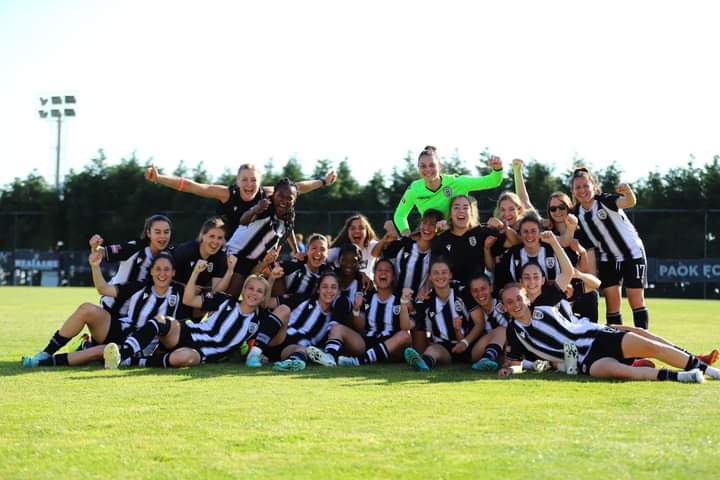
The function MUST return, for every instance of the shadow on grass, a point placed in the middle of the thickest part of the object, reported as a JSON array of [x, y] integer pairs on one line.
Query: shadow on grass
[[385, 374]]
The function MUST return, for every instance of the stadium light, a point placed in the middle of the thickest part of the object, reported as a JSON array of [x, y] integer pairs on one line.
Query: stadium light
[[57, 107]]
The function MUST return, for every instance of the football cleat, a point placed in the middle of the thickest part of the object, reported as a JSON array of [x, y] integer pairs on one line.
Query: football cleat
[[320, 357], [413, 358], [570, 358], [293, 365], [691, 376], [485, 365], [344, 361], [254, 360], [111, 355], [541, 366]]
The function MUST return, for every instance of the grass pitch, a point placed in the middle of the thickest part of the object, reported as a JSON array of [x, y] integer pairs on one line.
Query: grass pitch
[[225, 421]]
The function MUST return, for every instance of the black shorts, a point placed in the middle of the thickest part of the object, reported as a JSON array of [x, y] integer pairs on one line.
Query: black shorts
[[465, 357], [370, 342], [607, 344], [115, 334], [244, 266], [274, 353], [185, 339], [628, 273]]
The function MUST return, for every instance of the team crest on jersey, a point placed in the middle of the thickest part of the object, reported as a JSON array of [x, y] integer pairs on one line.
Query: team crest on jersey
[[396, 310], [522, 333], [473, 241], [447, 191], [172, 300], [448, 247], [252, 328], [538, 315], [210, 267], [550, 262], [459, 305], [602, 214], [499, 308]]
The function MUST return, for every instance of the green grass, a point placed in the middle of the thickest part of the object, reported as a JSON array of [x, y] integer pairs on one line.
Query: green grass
[[224, 421]]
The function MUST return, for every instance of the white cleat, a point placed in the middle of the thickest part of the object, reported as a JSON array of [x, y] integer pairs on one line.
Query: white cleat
[[111, 355], [570, 360], [713, 373], [320, 357], [691, 376], [541, 366], [348, 361]]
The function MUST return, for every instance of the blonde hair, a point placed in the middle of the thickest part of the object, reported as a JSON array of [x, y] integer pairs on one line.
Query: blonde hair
[[249, 166], [474, 221], [263, 281], [513, 197]]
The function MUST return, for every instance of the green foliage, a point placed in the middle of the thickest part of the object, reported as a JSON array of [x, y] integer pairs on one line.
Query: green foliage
[[386, 421]]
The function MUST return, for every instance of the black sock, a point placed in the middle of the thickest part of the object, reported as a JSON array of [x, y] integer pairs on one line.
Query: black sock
[[665, 374], [378, 353], [430, 361], [614, 318], [334, 347], [56, 343], [641, 317], [139, 340], [270, 325], [157, 360], [492, 352], [694, 362], [298, 356], [59, 360]]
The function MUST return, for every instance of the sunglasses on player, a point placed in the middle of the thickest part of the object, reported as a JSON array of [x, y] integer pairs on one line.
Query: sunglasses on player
[[562, 207]]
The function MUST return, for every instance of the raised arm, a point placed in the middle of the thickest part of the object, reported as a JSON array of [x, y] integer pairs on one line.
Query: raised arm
[[590, 282], [402, 211], [221, 284], [566, 268], [101, 285], [517, 166], [217, 192], [405, 322], [627, 196], [307, 186], [190, 298]]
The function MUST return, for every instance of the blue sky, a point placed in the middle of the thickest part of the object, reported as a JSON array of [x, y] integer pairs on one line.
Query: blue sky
[[232, 82]]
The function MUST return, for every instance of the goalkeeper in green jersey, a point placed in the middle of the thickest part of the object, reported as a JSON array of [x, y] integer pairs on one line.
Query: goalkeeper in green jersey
[[435, 191]]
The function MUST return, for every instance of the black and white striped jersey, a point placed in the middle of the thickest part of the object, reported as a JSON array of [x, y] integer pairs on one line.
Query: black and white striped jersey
[[382, 317], [352, 289], [135, 258], [547, 334], [552, 296], [436, 315], [253, 241], [516, 257], [367, 264], [608, 229], [232, 210], [411, 265], [136, 303], [186, 256], [225, 329], [309, 324], [495, 317], [299, 279]]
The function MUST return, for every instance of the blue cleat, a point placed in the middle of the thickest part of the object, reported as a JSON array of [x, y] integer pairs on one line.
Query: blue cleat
[[34, 361], [289, 366], [485, 365], [413, 358]]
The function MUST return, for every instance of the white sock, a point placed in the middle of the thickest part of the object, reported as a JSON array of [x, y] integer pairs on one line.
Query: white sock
[[690, 376], [713, 372], [528, 365]]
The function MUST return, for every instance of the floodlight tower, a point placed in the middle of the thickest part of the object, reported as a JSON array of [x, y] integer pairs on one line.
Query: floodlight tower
[[61, 106]]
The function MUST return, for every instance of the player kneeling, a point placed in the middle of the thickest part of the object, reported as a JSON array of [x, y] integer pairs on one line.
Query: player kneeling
[[599, 351]]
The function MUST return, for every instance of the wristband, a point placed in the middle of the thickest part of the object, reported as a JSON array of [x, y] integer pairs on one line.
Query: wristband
[[464, 340], [181, 186], [404, 302]]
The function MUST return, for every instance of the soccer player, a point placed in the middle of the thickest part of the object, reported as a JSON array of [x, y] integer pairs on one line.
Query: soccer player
[[487, 351], [187, 344], [348, 273], [265, 232], [443, 315], [464, 244], [301, 276], [308, 324], [135, 256], [600, 351], [135, 305], [411, 258], [207, 247], [434, 190], [236, 199], [357, 231], [621, 252], [380, 326], [564, 224]]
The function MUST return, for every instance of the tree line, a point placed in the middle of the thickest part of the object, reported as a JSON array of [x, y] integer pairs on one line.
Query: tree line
[[113, 199]]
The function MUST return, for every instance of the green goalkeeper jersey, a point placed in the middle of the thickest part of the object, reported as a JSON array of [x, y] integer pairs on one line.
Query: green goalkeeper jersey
[[419, 196]]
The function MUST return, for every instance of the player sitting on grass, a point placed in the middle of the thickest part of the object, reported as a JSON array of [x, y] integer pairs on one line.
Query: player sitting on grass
[[599, 351]]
